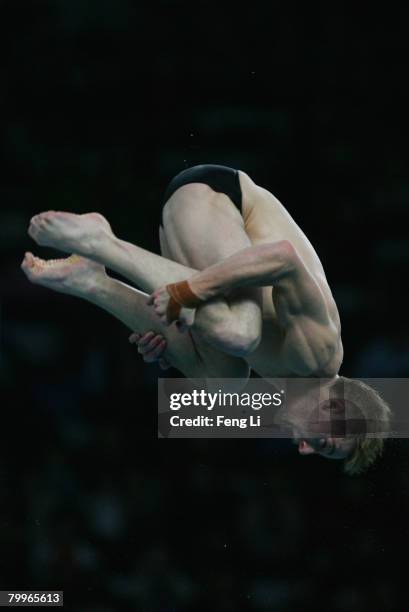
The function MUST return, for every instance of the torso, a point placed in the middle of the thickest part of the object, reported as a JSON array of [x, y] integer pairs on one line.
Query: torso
[[266, 220]]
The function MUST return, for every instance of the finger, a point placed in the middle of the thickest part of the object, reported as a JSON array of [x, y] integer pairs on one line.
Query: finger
[[147, 348], [163, 364], [160, 349], [156, 353], [134, 338], [160, 310], [155, 348], [146, 338]]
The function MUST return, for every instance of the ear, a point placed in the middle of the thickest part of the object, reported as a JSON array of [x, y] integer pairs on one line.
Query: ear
[[305, 449]]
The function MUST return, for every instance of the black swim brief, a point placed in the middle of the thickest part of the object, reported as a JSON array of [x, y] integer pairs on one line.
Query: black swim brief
[[221, 179]]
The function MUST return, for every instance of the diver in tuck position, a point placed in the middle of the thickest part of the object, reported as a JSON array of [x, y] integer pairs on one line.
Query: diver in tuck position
[[237, 274]]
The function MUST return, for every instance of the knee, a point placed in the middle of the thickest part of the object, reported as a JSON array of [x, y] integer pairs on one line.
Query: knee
[[240, 342], [244, 345]]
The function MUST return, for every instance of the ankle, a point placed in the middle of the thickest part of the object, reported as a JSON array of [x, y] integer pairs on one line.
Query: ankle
[[98, 288], [99, 244]]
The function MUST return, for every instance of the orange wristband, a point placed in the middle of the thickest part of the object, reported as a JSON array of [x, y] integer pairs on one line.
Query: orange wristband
[[180, 295]]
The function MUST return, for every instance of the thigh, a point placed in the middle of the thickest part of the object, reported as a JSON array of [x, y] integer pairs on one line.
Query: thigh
[[195, 358], [201, 227]]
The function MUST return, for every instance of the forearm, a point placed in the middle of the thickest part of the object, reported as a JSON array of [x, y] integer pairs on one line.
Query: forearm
[[258, 266]]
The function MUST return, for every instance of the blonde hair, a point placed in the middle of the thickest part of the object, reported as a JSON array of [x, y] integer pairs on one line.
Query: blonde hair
[[377, 414], [366, 452]]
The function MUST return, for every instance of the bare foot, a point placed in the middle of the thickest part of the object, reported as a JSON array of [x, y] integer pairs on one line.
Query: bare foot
[[160, 301], [74, 275], [69, 232]]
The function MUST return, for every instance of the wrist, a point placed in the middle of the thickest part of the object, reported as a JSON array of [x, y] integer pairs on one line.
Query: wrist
[[201, 288]]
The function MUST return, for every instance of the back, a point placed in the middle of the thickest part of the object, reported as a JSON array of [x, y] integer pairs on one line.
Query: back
[[266, 220]]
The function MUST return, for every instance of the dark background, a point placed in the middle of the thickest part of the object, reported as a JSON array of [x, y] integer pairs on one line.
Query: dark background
[[102, 103]]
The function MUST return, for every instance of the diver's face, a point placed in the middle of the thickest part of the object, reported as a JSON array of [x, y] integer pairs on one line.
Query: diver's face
[[319, 425], [326, 446]]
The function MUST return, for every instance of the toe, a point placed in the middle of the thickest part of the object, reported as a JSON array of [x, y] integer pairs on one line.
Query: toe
[[32, 231], [28, 261]]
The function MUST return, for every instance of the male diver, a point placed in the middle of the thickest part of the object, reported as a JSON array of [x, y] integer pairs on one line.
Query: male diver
[[236, 273]]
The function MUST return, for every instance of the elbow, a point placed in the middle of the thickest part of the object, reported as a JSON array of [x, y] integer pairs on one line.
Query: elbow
[[283, 254], [286, 248], [285, 251]]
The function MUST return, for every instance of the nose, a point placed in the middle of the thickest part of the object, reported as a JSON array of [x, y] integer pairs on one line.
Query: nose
[[305, 449]]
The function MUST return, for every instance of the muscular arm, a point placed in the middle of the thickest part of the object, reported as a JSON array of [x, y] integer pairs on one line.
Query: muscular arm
[[260, 266], [275, 264], [303, 302]]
